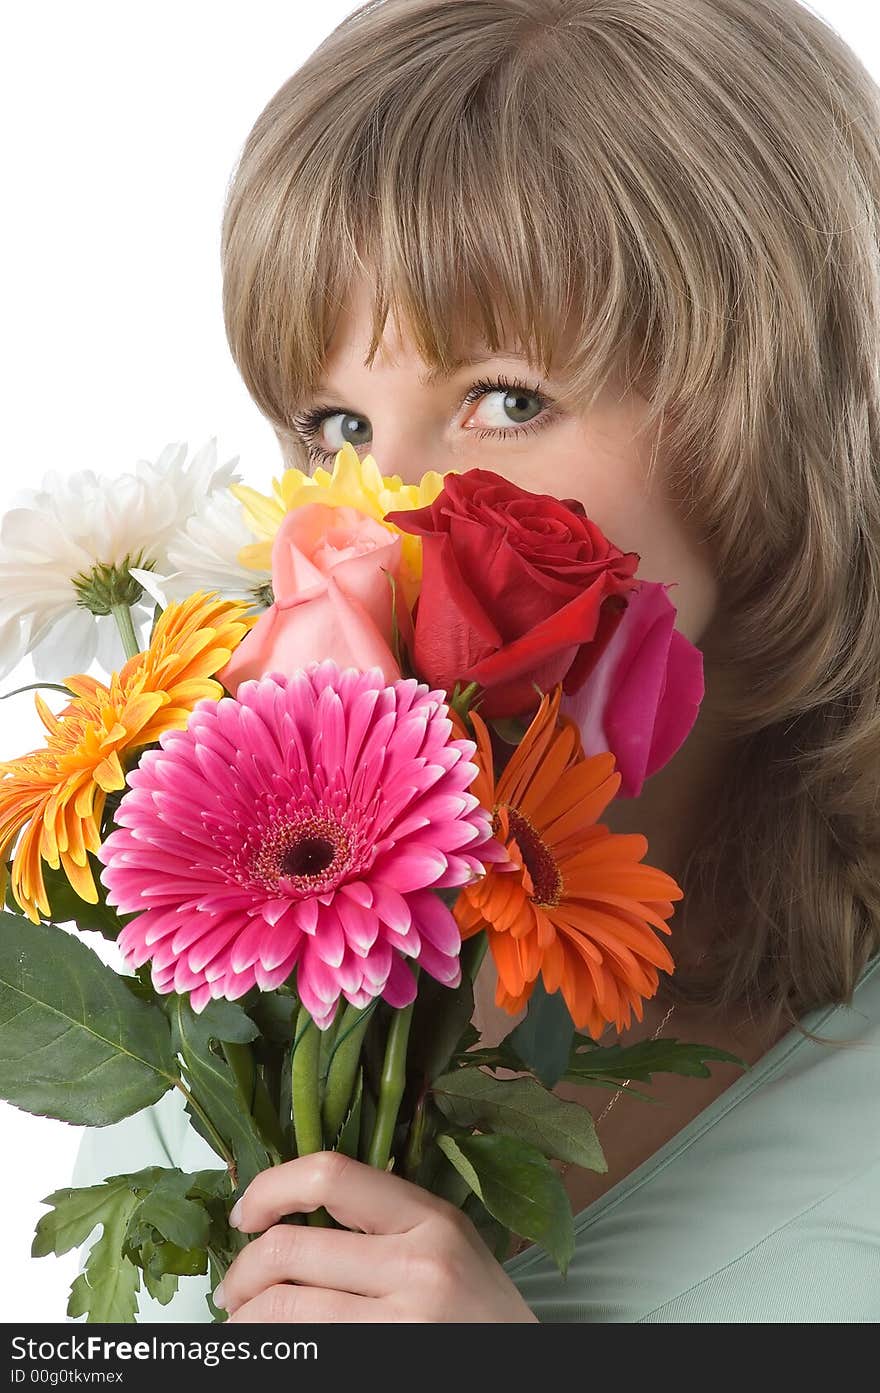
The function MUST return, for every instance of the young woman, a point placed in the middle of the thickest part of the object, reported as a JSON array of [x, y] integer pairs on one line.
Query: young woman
[[624, 251]]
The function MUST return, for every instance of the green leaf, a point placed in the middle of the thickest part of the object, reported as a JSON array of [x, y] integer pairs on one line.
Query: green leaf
[[275, 1014], [34, 686], [440, 1016], [495, 1236], [215, 1190], [227, 1021], [588, 1062], [67, 907], [169, 1260], [519, 1188], [75, 1212], [508, 729], [469, 1037], [214, 1087], [75, 1043], [165, 1210], [349, 1132], [373, 1046], [520, 1108], [9, 901], [350, 1023], [343, 1059], [368, 1119], [106, 1290], [395, 630], [285, 1101], [500, 1056], [142, 988], [543, 1040], [161, 1285], [139, 1213], [446, 1180], [464, 699], [161, 1201], [161, 1288], [325, 1048], [210, 1185]]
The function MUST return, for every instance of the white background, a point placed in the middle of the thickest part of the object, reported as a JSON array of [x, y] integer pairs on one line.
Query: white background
[[121, 126]]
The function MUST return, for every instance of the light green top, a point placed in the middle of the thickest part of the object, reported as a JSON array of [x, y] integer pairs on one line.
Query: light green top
[[765, 1207]]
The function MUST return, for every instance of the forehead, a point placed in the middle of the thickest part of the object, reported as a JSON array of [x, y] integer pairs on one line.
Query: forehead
[[352, 334]]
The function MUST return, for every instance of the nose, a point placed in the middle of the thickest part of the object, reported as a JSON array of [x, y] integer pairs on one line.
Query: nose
[[409, 451]]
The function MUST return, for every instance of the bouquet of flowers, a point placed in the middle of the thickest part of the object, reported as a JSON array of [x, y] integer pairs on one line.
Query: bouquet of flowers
[[358, 734]]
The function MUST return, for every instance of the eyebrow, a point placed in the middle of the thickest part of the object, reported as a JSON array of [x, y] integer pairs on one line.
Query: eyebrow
[[434, 375]]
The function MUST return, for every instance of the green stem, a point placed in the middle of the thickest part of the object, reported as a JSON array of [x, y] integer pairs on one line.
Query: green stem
[[304, 1086], [343, 1067], [254, 1093], [306, 1099], [122, 614], [218, 1143], [415, 1142], [328, 1043], [241, 1062], [218, 1267], [223, 1260], [267, 1118], [391, 1086]]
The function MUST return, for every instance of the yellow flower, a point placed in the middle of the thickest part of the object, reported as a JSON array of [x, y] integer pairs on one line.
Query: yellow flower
[[354, 483], [57, 794]]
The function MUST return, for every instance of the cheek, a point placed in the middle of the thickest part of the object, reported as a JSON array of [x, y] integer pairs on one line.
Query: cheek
[[695, 596], [612, 481]]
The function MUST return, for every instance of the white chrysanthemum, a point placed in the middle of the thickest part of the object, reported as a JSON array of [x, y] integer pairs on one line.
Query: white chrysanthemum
[[66, 549], [205, 555]]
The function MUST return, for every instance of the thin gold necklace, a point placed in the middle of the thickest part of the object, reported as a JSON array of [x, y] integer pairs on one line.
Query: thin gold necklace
[[527, 1243], [606, 1110]]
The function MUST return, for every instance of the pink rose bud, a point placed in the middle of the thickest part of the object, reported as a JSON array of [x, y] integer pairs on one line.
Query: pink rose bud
[[333, 597], [642, 698]]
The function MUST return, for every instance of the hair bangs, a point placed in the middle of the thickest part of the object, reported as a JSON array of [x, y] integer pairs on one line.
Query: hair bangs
[[447, 195]]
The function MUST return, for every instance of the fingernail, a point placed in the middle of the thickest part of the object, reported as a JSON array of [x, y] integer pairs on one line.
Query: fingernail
[[217, 1298], [235, 1215]]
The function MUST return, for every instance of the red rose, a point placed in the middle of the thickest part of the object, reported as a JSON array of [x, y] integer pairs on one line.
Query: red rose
[[517, 588]]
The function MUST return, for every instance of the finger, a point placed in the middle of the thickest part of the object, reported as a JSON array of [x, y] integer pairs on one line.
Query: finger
[[352, 1262], [357, 1195], [281, 1305]]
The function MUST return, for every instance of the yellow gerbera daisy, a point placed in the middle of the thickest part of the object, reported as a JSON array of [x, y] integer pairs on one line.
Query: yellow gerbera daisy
[[57, 794], [354, 483]]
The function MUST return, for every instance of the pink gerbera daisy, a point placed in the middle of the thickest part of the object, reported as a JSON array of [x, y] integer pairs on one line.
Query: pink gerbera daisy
[[303, 824]]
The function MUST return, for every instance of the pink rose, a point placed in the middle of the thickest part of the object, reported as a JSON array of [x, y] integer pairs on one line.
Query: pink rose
[[642, 697], [333, 598]]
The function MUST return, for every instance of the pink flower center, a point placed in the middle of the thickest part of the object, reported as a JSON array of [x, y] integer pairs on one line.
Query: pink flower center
[[304, 855], [309, 856]]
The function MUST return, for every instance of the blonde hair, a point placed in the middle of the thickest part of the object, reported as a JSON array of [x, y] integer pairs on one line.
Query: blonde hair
[[697, 183]]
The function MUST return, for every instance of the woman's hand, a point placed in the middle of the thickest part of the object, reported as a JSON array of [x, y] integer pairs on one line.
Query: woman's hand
[[417, 1258]]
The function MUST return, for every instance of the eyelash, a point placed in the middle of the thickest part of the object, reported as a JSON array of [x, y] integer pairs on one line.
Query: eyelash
[[309, 422]]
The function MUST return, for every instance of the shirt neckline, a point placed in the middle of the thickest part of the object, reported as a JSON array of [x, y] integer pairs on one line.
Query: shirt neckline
[[772, 1059]]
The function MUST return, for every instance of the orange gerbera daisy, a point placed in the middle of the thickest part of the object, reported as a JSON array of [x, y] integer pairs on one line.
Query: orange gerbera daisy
[[580, 907], [57, 794]]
